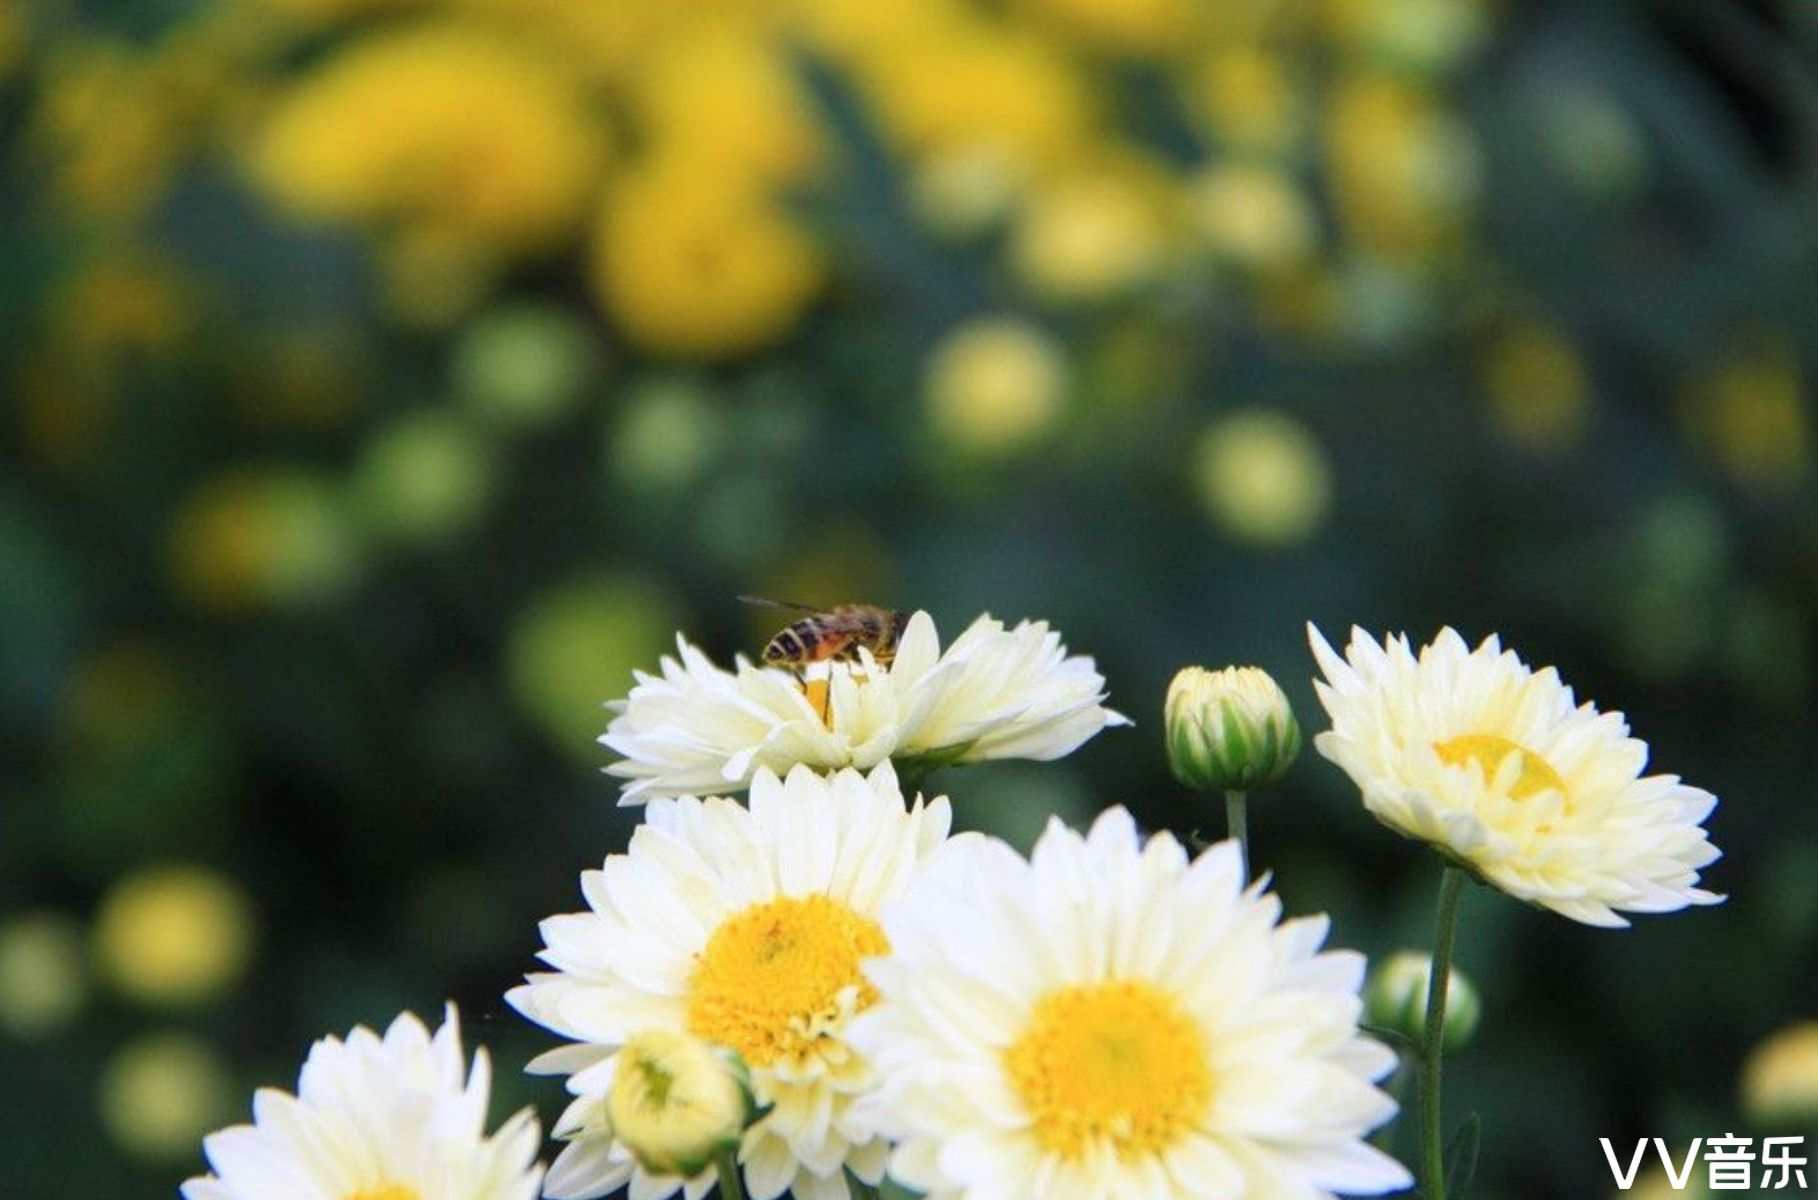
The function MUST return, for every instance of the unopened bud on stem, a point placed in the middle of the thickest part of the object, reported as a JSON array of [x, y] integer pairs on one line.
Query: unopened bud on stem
[[1230, 730], [677, 1102], [1396, 998]]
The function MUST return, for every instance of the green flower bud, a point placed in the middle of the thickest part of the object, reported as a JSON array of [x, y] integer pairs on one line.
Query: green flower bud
[[1229, 730], [1396, 998], [677, 1101]]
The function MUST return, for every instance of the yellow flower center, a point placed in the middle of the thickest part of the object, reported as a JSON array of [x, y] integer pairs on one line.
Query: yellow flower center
[[387, 1191], [770, 980], [1110, 1063], [1488, 750]]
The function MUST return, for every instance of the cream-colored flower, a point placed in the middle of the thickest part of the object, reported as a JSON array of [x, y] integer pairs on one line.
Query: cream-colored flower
[[994, 693], [745, 927], [393, 1118], [1111, 1020], [1503, 771]]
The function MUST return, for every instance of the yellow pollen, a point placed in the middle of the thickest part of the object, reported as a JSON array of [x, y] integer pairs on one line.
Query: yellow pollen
[[819, 693], [768, 983], [387, 1191], [1110, 1064], [817, 688], [1488, 750]]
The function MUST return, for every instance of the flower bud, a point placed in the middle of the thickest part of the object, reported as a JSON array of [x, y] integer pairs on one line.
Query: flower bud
[[1229, 730], [1396, 998], [677, 1101], [1780, 1078]]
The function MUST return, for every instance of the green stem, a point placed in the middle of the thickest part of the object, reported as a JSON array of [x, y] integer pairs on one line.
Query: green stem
[[731, 1186], [1238, 826], [1439, 978], [861, 1189]]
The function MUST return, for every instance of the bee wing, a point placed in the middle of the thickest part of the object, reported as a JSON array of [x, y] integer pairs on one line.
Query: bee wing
[[761, 602]]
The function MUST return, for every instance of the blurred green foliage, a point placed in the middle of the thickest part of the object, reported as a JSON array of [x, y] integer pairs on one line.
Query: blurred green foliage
[[384, 381]]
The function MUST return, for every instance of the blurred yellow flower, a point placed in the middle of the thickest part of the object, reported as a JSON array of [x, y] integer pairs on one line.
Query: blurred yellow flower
[[325, 11], [109, 128], [1096, 233], [123, 698], [1128, 27], [602, 43], [162, 1092], [1780, 1078], [255, 537], [689, 263], [430, 278], [1263, 477], [1403, 169], [1655, 1183], [42, 981], [725, 96], [1255, 217], [129, 301], [441, 128], [995, 384], [173, 935], [980, 87], [1246, 98], [1539, 391], [1754, 416], [300, 374], [15, 35]]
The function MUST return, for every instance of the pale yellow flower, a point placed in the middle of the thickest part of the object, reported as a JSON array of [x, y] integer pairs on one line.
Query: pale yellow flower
[[1502, 770]]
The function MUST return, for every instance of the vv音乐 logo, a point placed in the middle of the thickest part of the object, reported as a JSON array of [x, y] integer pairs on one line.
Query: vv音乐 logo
[[1731, 1164]]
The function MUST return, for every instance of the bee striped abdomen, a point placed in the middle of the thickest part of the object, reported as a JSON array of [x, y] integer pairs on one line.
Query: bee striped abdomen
[[837, 635]]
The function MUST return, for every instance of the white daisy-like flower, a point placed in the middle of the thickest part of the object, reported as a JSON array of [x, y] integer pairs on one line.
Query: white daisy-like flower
[[745, 927], [1111, 1020], [1502, 770], [394, 1118], [697, 729]]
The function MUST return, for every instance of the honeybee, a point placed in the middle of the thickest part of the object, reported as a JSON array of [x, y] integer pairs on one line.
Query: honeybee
[[833, 634]]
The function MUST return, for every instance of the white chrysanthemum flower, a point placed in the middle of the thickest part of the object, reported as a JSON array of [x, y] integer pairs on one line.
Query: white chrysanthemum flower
[[1110, 1020], [745, 927], [1500, 768], [393, 1118], [994, 693]]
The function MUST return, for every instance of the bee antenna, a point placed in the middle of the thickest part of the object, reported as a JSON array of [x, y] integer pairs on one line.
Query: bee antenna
[[761, 602]]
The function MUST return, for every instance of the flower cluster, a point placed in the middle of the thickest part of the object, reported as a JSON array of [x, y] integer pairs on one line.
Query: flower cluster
[[824, 984]]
